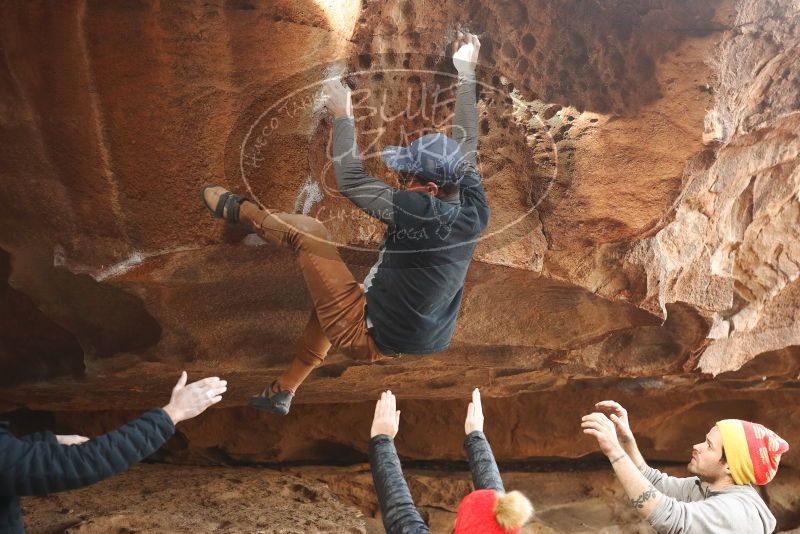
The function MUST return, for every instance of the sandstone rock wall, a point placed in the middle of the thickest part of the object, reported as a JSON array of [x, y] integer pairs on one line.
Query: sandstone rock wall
[[731, 251], [314, 500], [640, 159]]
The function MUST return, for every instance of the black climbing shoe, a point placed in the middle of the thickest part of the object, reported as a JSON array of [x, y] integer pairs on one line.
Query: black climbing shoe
[[223, 204], [269, 401]]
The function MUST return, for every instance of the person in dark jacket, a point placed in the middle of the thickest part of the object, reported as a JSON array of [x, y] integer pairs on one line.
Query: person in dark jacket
[[44, 463], [487, 510], [409, 301]]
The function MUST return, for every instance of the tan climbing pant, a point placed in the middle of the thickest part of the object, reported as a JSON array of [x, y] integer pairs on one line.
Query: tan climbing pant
[[339, 315]]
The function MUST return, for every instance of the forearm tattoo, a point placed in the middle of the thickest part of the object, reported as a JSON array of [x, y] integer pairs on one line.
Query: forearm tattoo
[[648, 494]]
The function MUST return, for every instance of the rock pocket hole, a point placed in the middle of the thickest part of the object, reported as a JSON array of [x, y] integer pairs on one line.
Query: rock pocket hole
[[509, 50], [528, 42], [365, 61]]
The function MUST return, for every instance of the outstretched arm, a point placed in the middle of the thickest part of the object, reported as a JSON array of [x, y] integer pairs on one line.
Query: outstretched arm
[[42, 467], [465, 121], [680, 488], [642, 495], [37, 467], [399, 514], [485, 474], [623, 428], [368, 193]]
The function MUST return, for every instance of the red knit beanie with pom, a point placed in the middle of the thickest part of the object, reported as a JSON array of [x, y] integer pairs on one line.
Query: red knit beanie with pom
[[490, 512]]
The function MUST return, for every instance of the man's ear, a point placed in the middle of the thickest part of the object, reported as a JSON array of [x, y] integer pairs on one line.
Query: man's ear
[[432, 188]]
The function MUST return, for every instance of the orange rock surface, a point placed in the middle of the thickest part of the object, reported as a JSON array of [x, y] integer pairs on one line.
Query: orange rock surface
[[640, 160]]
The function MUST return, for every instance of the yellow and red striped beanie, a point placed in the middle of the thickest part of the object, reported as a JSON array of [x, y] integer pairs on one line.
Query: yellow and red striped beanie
[[753, 451]]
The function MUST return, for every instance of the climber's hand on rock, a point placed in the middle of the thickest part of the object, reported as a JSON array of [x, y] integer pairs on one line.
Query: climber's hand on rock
[[619, 416], [192, 400], [474, 414], [465, 57], [338, 98], [602, 428], [387, 416], [71, 439]]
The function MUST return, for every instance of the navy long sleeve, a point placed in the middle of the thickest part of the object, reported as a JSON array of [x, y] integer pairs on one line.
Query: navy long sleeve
[[45, 436], [41, 466]]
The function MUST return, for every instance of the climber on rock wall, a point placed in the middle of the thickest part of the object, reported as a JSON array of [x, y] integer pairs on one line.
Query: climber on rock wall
[[409, 301], [44, 463], [719, 498], [487, 510]]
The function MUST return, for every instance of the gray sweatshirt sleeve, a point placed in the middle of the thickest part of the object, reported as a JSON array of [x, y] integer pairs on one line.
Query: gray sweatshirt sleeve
[[465, 127], [368, 193], [678, 488], [720, 513]]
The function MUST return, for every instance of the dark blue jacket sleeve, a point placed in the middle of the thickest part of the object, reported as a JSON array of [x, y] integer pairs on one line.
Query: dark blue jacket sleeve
[[42, 467], [399, 514], [45, 436], [485, 474]]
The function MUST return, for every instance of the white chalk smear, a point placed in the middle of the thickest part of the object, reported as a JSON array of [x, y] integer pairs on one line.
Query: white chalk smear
[[121, 267], [253, 240], [334, 71], [308, 195], [104, 273]]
